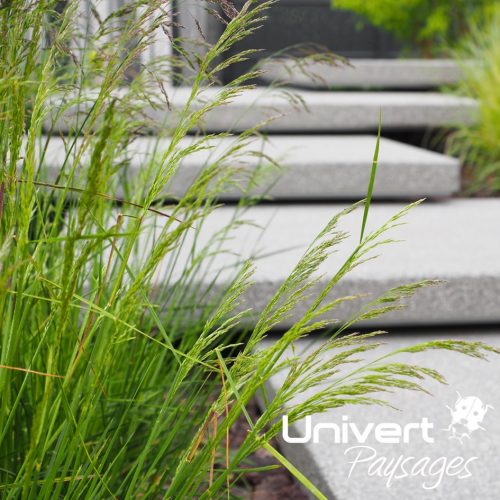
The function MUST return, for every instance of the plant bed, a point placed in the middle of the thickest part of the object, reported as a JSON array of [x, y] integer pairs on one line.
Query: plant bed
[[271, 483]]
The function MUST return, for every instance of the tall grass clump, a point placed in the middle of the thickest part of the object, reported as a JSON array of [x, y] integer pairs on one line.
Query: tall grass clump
[[479, 145], [116, 384]]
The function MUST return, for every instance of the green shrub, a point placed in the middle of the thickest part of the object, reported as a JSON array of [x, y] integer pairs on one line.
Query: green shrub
[[479, 145], [432, 25]]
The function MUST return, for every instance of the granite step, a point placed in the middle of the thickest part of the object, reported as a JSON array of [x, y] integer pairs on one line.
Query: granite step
[[436, 466], [363, 73], [312, 167], [299, 111], [454, 241]]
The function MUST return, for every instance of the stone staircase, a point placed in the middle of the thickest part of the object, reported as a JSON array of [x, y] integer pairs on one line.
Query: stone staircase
[[324, 140], [450, 239], [326, 155]]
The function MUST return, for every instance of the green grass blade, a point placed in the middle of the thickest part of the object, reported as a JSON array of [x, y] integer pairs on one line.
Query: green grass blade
[[296, 473], [372, 180]]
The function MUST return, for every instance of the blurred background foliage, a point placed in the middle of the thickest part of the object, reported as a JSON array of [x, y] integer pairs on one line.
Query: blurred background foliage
[[432, 25]]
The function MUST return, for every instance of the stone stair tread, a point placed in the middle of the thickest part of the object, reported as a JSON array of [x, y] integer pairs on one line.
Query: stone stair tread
[[308, 111], [313, 167], [332, 111], [328, 465], [363, 73], [454, 241]]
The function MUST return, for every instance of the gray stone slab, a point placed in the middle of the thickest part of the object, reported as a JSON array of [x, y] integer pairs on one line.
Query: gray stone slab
[[363, 73], [303, 111], [329, 463], [455, 241], [312, 167]]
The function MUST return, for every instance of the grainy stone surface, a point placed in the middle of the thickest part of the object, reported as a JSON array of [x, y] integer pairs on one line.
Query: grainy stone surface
[[304, 111], [312, 167], [331, 111], [364, 73], [454, 241], [329, 464]]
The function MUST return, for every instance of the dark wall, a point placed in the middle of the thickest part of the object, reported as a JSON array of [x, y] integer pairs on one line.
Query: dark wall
[[294, 22]]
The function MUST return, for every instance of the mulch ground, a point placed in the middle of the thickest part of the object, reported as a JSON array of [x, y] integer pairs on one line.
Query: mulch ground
[[275, 484]]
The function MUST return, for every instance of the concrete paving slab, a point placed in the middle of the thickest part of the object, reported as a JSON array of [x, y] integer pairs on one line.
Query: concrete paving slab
[[456, 241], [435, 465], [302, 111], [363, 73], [312, 167]]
